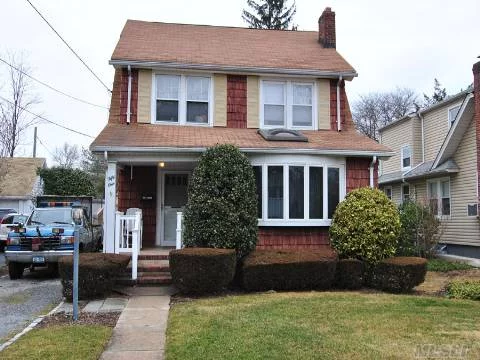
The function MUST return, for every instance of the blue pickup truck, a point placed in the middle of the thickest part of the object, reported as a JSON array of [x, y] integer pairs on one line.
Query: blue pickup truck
[[48, 234]]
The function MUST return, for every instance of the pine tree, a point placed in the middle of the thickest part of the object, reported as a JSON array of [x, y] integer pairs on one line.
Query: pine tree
[[439, 94], [270, 14]]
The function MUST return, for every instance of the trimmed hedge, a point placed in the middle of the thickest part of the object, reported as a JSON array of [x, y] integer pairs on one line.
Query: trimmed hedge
[[289, 269], [349, 274], [202, 270], [464, 289], [399, 274], [96, 275]]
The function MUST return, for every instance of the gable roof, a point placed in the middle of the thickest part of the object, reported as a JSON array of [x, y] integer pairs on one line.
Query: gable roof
[[422, 170], [228, 49], [457, 130], [21, 176], [170, 138]]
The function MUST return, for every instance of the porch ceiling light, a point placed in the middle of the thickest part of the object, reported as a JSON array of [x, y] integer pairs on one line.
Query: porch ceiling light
[[161, 164]]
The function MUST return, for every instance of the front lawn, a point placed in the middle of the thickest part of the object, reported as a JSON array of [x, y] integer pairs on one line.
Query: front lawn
[[444, 265], [321, 325], [60, 342]]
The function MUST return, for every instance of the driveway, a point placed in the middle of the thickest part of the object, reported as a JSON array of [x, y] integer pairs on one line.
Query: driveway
[[2, 260], [21, 301]]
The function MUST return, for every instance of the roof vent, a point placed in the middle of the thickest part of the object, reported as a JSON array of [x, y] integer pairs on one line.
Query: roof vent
[[282, 135]]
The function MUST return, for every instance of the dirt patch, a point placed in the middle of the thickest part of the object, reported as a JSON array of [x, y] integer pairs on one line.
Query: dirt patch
[[107, 319], [436, 282]]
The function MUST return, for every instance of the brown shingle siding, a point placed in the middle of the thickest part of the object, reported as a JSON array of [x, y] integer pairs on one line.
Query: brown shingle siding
[[236, 101]]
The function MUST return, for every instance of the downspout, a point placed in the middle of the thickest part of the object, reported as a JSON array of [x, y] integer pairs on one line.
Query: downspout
[[423, 137], [372, 168], [129, 96], [339, 122], [105, 155]]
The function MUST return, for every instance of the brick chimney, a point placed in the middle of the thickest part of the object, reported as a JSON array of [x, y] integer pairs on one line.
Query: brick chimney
[[476, 92], [326, 29]]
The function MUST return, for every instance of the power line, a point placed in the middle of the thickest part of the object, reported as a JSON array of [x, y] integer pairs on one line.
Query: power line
[[51, 87], [45, 119], [73, 51], [46, 148]]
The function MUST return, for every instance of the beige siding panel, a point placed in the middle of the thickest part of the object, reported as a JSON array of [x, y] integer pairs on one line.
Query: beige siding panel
[[144, 96], [436, 129], [323, 95], [461, 228], [253, 102], [220, 98], [395, 137], [417, 141]]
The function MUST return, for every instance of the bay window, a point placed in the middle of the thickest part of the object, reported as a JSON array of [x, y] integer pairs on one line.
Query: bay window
[[181, 99], [438, 193], [298, 194], [287, 104]]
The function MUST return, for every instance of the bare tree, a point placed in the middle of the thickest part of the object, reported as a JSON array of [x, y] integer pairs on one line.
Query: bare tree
[[15, 106], [66, 156], [375, 110]]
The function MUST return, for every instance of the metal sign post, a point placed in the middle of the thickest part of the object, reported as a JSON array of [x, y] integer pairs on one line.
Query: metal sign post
[[75, 273]]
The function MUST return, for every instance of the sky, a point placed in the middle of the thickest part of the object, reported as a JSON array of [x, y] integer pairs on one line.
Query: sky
[[389, 43]]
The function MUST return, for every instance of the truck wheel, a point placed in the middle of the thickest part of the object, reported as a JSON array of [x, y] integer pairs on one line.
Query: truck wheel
[[15, 270]]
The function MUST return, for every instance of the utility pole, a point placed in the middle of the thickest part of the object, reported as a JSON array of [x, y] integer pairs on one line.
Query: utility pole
[[35, 142]]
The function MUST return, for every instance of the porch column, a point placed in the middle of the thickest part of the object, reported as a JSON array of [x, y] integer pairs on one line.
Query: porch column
[[110, 208]]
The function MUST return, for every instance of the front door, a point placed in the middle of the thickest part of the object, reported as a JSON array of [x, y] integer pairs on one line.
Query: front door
[[174, 200]]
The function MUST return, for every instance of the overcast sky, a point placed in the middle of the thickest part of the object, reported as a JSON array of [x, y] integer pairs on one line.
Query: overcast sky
[[390, 43]]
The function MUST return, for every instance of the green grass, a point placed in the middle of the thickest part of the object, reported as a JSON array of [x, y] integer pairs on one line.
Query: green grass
[[60, 342], [325, 325], [444, 265]]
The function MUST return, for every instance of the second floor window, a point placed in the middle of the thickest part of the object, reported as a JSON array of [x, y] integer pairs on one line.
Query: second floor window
[[182, 99], [406, 157], [452, 114], [287, 104]]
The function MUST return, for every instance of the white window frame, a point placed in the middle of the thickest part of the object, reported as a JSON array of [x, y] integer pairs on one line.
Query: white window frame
[[403, 193], [391, 192], [182, 101], [288, 103], [451, 121], [404, 168], [438, 184], [306, 162]]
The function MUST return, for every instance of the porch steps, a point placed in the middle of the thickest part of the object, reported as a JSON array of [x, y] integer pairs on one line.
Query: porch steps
[[152, 270]]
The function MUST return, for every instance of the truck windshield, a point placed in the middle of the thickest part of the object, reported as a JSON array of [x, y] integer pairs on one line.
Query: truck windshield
[[51, 216]]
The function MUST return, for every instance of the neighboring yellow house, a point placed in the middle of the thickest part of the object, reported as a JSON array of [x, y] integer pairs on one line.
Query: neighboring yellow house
[[435, 162]]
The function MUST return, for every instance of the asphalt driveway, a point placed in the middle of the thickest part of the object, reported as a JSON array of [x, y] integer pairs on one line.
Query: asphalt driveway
[[21, 301]]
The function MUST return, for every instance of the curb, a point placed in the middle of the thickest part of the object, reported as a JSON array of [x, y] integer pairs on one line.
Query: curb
[[28, 328]]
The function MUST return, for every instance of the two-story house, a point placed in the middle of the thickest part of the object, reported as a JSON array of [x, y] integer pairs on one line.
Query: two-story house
[[436, 163], [279, 96]]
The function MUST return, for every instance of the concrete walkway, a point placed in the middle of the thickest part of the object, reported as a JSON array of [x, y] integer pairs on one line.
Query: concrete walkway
[[140, 330]]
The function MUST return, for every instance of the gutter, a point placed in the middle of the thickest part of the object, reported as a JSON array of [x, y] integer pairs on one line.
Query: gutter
[[347, 75], [176, 150], [129, 96], [339, 122]]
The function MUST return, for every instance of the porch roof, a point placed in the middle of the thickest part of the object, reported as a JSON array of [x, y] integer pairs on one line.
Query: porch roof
[[158, 138]]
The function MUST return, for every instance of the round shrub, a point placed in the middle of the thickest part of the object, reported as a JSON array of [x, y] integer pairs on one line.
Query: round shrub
[[399, 274], [349, 274], [222, 204], [202, 270], [365, 226], [289, 269], [96, 274]]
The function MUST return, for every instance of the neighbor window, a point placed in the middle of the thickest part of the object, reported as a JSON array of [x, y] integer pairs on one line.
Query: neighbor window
[[182, 99], [406, 157], [287, 104], [296, 193], [438, 192], [405, 192], [388, 191], [452, 114]]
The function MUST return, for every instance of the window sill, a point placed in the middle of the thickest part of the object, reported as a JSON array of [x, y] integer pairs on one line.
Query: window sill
[[294, 222], [180, 124], [270, 127]]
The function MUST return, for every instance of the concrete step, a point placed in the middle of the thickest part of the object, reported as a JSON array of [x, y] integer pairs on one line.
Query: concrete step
[[159, 279], [151, 266]]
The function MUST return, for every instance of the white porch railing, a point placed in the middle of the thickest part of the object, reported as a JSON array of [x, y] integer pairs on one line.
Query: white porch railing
[[128, 237], [179, 240]]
